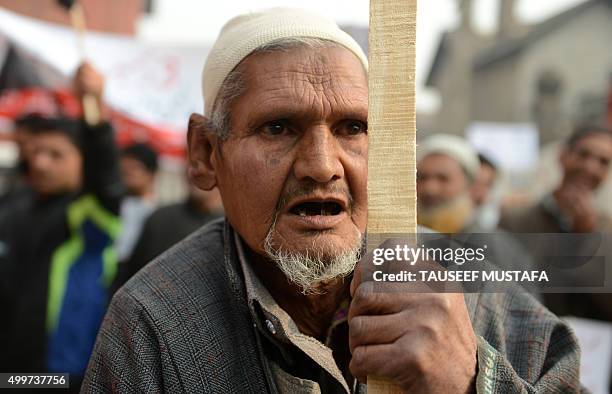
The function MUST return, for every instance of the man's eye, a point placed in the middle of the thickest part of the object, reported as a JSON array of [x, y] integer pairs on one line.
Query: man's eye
[[276, 127], [353, 127], [583, 154]]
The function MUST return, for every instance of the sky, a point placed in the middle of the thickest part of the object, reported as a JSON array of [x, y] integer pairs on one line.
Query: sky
[[197, 22]]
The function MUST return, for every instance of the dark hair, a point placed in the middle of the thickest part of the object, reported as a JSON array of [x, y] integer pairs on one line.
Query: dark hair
[[486, 161], [29, 122], [37, 125], [143, 153], [584, 130]]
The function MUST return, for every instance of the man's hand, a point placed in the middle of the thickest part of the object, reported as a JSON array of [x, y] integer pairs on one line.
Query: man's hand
[[88, 82], [422, 342]]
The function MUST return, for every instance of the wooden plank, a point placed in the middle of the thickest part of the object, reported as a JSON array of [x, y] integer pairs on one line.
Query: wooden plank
[[392, 117], [391, 127]]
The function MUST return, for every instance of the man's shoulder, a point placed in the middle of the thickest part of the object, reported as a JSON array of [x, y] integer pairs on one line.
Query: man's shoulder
[[191, 271], [513, 304], [183, 312], [517, 324]]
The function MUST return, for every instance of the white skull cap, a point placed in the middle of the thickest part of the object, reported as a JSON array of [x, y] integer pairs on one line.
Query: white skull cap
[[245, 33], [454, 147]]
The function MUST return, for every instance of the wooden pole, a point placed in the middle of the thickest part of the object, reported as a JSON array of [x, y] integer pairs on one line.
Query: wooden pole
[[391, 127], [91, 111]]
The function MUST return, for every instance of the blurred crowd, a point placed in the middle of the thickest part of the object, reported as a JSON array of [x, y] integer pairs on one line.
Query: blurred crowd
[[454, 193], [81, 216]]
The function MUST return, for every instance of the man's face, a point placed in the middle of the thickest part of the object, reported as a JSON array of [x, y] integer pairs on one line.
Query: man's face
[[586, 164], [440, 179], [55, 164], [296, 156], [482, 185], [137, 178]]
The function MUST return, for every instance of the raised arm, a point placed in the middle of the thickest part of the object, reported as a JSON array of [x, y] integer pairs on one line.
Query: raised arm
[[101, 158]]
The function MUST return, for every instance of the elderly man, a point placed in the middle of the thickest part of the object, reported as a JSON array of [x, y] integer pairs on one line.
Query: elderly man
[[446, 170], [263, 302]]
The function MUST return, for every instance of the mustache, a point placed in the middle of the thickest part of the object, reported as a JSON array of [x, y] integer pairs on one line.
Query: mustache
[[306, 188]]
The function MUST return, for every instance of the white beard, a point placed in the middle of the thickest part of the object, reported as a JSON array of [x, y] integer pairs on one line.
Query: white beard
[[311, 268]]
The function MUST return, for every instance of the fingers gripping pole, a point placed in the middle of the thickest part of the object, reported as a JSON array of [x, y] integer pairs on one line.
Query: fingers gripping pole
[[391, 127]]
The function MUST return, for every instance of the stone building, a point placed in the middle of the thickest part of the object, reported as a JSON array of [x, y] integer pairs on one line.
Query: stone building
[[554, 73]]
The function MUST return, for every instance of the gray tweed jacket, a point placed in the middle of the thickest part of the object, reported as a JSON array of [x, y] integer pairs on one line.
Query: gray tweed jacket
[[182, 324]]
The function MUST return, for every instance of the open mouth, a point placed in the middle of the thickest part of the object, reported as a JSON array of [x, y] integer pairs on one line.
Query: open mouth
[[316, 208]]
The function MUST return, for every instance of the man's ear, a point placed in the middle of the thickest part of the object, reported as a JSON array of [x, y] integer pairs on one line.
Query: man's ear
[[201, 144]]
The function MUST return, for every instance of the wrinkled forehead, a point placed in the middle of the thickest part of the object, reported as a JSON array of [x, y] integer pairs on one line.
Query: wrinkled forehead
[[301, 75]]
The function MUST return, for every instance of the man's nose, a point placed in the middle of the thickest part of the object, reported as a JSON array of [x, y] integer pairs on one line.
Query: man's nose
[[318, 156], [39, 161]]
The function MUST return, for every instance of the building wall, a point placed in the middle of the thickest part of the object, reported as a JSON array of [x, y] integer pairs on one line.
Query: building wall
[[113, 16], [454, 82], [579, 53], [507, 91], [493, 93]]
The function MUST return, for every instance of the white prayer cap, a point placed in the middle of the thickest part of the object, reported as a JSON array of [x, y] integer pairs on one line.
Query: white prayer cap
[[245, 33], [453, 146]]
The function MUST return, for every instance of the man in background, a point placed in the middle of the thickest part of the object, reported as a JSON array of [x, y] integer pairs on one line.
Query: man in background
[[139, 166], [170, 224], [61, 260], [484, 182], [482, 190], [446, 169], [570, 209], [585, 162]]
